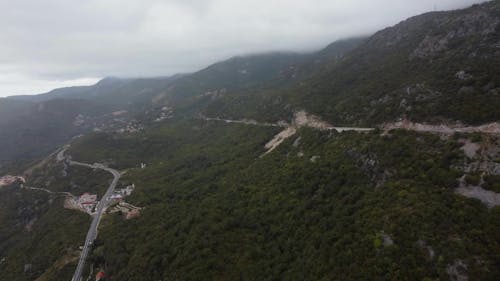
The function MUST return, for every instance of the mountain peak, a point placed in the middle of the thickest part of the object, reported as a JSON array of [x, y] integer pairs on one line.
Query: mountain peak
[[108, 80]]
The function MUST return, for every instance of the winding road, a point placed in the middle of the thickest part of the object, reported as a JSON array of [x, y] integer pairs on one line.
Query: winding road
[[101, 206], [47, 191]]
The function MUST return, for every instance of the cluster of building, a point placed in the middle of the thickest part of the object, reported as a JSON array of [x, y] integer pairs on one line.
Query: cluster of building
[[129, 211], [118, 113], [87, 202], [118, 124], [100, 276], [8, 180], [219, 93], [166, 112], [131, 127], [119, 194]]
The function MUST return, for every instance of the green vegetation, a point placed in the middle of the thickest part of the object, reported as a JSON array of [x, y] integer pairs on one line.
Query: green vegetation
[[215, 210], [38, 236], [37, 132], [73, 179], [383, 80], [492, 182], [35, 232], [322, 206]]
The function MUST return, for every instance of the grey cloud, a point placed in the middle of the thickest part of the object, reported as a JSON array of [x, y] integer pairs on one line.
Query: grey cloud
[[73, 40]]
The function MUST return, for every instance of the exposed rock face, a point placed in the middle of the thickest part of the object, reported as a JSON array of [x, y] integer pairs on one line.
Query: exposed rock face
[[489, 198], [279, 138], [303, 119], [387, 240], [314, 158], [431, 46], [482, 161], [296, 143], [457, 271], [470, 148], [27, 267], [462, 75], [489, 167], [430, 251], [479, 25], [492, 128]]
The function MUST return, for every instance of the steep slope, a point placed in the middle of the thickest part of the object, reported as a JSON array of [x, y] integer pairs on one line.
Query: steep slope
[[238, 76], [431, 67], [378, 205], [27, 132], [230, 75], [271, 101], [114, 92], [322, 206], [12, 108], [440, 66], [31, 126], [41, 127], [38, 237]]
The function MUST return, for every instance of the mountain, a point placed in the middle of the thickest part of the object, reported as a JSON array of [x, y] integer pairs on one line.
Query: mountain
[[440, 66], [12, 108], [222, 190], [266, 101], [142, 99], [110, 91], [38, 128]]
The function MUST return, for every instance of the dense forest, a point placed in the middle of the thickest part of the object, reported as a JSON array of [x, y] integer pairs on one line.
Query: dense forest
[[215, 203], [323, 205]]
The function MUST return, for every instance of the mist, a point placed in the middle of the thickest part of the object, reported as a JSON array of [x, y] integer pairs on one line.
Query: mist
[[55, 43]]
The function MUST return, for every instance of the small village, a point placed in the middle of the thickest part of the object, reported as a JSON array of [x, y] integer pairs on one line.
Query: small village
[[165, 113], [87, 203]]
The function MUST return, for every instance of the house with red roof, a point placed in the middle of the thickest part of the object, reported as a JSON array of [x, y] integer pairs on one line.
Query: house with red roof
[[100, 276]]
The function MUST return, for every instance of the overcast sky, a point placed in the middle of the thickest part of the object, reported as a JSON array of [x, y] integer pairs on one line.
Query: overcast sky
[[46, 44]]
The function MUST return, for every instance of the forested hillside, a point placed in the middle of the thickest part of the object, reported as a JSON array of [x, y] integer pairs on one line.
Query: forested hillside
[[440, 66], [117, 104], [240, 171], [323, 205]]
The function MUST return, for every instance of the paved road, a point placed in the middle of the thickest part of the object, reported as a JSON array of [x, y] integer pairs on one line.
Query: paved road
[[491, 128], [285, 125], [101, 206], [246, 122]]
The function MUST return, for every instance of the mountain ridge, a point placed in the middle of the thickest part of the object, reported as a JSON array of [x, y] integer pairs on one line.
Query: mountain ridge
[[240, 171]]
